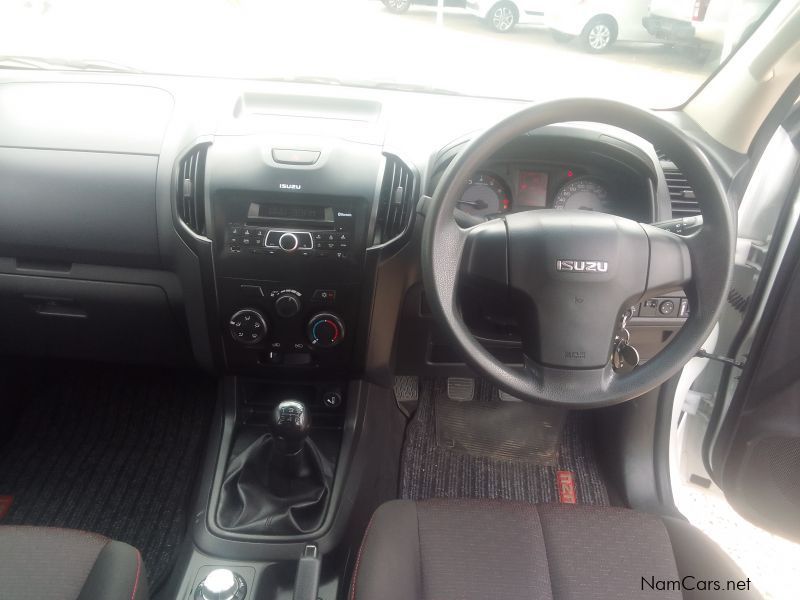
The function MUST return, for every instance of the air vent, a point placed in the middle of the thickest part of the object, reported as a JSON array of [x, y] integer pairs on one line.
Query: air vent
[[396, 207], [681, 194], [190, 197]]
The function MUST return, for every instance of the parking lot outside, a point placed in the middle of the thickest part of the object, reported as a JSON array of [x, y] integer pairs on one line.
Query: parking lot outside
[[350, 40]]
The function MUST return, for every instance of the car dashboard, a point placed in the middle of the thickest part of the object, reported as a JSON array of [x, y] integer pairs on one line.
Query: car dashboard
[[268, 229]]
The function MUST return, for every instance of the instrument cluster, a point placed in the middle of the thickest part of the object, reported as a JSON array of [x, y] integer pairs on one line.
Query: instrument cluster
[[504, 188]]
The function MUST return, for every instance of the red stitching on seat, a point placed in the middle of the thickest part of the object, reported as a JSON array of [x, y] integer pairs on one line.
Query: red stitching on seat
[[358, 558], [138, 571]]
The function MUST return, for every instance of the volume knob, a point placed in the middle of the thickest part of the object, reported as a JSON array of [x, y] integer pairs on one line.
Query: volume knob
[[288, 242]]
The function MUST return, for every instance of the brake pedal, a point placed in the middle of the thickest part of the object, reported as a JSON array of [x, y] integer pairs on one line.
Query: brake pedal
[[461, 389]]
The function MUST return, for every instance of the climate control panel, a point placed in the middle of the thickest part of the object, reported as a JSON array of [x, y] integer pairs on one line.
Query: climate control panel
[[273, 326]]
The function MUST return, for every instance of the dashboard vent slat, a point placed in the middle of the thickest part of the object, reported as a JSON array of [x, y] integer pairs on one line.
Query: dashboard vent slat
[[396, 204], [681, 194], [191, 190]]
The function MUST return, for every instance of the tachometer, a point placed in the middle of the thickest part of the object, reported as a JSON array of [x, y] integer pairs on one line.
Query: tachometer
[[584, 193], [486, 195]]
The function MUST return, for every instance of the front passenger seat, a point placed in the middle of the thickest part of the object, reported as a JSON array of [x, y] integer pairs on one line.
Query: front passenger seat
[[486, 550], [45, 563]]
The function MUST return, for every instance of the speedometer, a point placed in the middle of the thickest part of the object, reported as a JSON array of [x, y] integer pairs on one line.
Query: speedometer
[[486, 195], [583, 194]]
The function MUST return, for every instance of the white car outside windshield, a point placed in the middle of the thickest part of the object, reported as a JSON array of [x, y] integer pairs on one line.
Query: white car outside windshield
[[363, 42]]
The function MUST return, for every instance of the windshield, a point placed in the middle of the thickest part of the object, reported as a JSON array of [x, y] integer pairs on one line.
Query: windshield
[[653, 53]]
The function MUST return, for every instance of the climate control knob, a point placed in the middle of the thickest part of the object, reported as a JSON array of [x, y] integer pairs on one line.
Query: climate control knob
[[287, 305], [248, 326], [325, 330]]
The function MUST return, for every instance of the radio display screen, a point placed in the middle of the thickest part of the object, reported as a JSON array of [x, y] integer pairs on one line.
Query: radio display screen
[[276, 211], [293, 211]]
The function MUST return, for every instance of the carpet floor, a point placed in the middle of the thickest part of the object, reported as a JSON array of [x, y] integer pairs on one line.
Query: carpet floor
[[430, 470], [109, 450]]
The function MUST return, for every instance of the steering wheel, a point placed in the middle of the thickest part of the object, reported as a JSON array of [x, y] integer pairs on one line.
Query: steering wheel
[[570, 275]]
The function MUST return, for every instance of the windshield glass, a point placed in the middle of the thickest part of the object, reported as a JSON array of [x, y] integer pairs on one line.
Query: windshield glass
[[654, 53]]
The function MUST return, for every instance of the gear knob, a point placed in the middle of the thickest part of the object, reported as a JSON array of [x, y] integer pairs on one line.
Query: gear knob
[[290, 425]]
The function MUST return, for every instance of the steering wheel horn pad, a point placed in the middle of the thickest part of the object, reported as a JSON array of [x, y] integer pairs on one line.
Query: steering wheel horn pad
[[570, 274]]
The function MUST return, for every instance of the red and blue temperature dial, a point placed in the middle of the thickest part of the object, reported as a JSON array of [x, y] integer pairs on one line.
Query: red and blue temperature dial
[[325, 330]]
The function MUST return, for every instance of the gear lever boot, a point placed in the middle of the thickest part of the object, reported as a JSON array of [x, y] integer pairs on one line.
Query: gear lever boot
[[280, 484]]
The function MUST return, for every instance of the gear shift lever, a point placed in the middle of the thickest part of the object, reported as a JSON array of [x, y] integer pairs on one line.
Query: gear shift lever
[[290, 425], [280, 484]]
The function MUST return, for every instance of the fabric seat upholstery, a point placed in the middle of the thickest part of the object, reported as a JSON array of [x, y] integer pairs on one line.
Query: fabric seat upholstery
[[65, 564], [481, 550]]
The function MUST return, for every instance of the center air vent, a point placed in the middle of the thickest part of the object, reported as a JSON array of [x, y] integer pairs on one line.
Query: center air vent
[[396, 206], [190, 195], [681, 194]]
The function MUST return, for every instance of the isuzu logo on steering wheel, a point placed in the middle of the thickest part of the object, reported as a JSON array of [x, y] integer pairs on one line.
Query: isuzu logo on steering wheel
[[582, 266]]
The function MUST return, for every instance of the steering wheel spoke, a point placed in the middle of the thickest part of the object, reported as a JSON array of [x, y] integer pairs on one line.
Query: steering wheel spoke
[[485, 257], [670, 262], [571, 383]]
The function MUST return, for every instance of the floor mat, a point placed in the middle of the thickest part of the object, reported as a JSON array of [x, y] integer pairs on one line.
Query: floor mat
[[432, 471], [109, 450], [486, 427]]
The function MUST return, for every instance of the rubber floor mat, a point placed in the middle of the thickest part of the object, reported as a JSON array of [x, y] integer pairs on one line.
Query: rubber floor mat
[[505, 430], [430, 470], [109, 450]]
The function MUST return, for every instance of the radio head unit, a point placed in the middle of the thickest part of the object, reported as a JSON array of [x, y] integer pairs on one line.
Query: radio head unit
[[276, 230]]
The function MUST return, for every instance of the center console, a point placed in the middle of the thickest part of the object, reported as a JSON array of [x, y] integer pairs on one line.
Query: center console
[[303, 441], [290, 229]]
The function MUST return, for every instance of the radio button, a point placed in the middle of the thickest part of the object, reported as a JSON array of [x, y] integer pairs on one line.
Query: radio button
[[305, 240], [666, 308]]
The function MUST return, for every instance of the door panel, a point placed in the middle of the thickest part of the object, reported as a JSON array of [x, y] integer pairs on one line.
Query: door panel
[[758, 446]]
